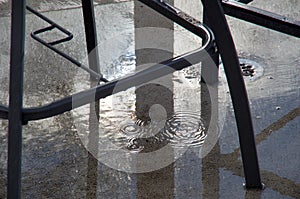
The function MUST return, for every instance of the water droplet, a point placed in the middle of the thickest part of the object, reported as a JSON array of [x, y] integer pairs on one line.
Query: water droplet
[[269, 132], [131, 129]]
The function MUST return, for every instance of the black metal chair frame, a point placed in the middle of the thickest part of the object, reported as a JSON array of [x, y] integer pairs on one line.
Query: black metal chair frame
[[218, 34]]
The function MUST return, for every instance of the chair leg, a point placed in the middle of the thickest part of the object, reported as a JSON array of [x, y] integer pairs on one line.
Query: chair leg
[[90, 34], [16, 99], [93, 59], [210, 72], [219, 26]]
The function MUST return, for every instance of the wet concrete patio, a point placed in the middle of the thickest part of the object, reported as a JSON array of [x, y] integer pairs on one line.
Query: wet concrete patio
[[55, 161]]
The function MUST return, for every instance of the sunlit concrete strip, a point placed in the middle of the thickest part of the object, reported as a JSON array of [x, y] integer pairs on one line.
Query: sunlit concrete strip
[[155, 31]]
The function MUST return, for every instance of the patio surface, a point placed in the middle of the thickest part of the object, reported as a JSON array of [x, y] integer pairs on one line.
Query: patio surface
[[55, 161]]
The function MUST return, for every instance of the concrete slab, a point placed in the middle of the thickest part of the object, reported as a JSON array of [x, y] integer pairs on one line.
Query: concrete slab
[[55, 162]]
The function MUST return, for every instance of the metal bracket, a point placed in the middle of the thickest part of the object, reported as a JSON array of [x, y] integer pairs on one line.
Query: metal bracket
[[50, 45], [49, 28]]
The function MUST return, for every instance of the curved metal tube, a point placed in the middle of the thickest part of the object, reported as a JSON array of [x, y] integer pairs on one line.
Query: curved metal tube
[[102, 91]]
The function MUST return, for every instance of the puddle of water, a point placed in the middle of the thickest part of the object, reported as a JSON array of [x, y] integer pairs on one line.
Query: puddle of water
[[50, 142], [55, 161]]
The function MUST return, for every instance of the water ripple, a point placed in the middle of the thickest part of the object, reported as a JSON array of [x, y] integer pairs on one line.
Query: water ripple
[[183, 129]]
